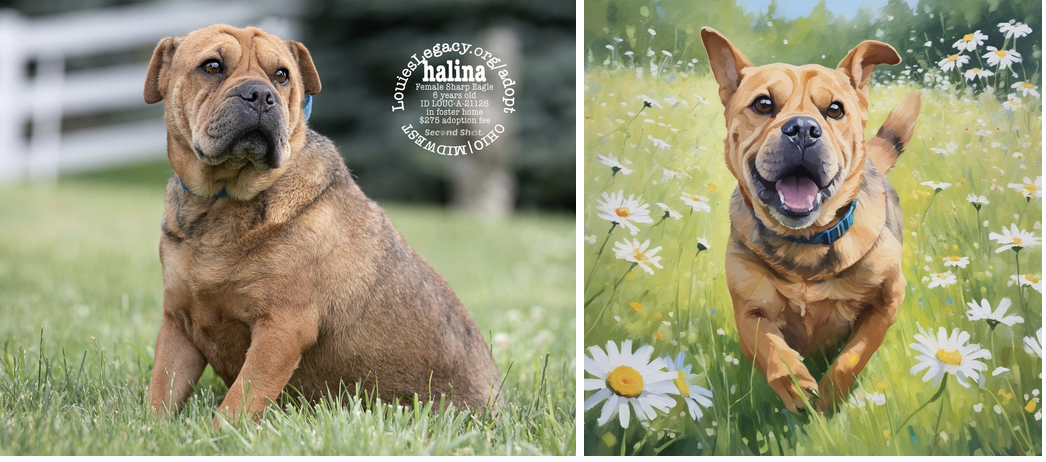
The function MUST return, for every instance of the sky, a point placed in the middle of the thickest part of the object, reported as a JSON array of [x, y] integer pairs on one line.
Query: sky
[[795, 8]]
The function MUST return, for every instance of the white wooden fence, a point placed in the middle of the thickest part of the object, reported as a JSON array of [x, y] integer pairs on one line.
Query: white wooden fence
[[52, 93]]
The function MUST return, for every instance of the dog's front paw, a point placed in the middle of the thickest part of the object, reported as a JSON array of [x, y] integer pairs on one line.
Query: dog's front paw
[[792, 394], [835, 388]]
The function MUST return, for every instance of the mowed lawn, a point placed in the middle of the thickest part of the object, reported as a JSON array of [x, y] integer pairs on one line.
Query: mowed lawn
[[675, 147], [80, 305]]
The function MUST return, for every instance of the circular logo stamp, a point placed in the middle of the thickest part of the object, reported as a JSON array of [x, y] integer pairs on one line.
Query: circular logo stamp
[[456, 98]]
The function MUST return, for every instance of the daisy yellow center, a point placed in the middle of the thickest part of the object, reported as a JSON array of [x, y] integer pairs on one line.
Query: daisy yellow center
[[954, 258], [1031, 279], [684, 388], [967, 38], [1000, 53], [1027, 85], [625, 381], [1017, 240], [639, 256], [976, 70], [952, 357], [622, 212], [1030, 188], [953, 58], [941, 276]]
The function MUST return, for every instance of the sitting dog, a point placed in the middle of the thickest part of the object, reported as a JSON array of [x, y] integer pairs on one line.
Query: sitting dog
[[277, 270], [814, 259]]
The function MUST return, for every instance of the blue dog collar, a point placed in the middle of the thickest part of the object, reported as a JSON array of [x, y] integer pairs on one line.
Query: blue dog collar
[[832, 234], [308, 106], [221, 193]]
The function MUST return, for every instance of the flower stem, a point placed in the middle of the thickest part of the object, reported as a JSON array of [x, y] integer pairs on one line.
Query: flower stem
[[1020, 291], [603, 307], [600, 252], [944, 381], [935, 191]]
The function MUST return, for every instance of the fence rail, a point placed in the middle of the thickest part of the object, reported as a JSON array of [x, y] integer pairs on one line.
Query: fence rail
[[42, 99]]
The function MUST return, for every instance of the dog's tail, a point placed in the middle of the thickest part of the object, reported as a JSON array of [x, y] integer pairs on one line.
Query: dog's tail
[[893, 136]]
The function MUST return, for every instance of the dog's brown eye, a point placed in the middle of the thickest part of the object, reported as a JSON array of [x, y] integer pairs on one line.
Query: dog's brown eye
[[835, 110], [763, 105], [281, 76], [212, 66]]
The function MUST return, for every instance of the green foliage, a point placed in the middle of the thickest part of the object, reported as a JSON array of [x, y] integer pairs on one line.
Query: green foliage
[[80, 298], [819, 38], [969, 141]]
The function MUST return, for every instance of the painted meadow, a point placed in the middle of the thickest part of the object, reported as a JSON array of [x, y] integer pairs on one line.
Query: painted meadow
[[959, 373]]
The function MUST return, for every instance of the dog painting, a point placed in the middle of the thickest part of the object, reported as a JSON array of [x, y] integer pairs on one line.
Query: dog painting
[[812, 230]]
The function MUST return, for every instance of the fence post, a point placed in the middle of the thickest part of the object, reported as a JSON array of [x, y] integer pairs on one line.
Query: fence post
[[12, 87], [47, 118]]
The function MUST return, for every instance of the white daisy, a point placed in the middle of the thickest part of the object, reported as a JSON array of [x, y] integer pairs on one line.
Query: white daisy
[[702, 244], [1027, 280], [943, 354], [658, 143], [1011, 29], [1012, 103], [977, 72], [1014, 238], [983, 311], [1029, 188], [944, 279], [668, 174], [936, 185], [669, 212], [697, 202], [977, 201], [637, 253], [625, 378], [610, 160], [954, 260], [953, 62], [591, 238], [1026, 88], [615, 208], [1033, 345], [694, 396], [970, 42], [1002, 58], [648, 101], [860, 398]]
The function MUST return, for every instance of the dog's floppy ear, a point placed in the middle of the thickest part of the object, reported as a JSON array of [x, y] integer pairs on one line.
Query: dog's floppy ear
[[861, 61], [309, 77], [726, 61], [156, 77]]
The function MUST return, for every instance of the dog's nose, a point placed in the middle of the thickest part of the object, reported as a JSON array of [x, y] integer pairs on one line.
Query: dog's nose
[[258, 96], [802, 130]]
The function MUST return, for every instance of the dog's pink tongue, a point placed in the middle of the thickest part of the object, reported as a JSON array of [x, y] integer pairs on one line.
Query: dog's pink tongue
[[797, 193]]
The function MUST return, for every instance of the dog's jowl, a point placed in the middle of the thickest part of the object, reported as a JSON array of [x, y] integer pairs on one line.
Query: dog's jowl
[[814, 260], [277, 270]]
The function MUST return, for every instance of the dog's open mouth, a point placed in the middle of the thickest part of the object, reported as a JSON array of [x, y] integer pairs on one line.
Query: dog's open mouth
[[795, 194]]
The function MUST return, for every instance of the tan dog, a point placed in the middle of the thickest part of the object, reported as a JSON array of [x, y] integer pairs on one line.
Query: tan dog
[[295, 278], [809, 269]]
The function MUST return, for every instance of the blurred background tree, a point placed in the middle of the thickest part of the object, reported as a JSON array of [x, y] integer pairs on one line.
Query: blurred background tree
[[358, 48]]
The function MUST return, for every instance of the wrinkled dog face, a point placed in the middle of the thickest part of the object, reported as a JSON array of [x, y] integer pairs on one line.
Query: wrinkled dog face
[[233, 96], [795, 134]]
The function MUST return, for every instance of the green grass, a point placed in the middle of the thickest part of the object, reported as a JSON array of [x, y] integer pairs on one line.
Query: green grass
[[686, 306], [80, 303]]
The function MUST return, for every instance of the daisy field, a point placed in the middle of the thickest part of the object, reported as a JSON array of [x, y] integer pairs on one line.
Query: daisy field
[[959, 373]]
